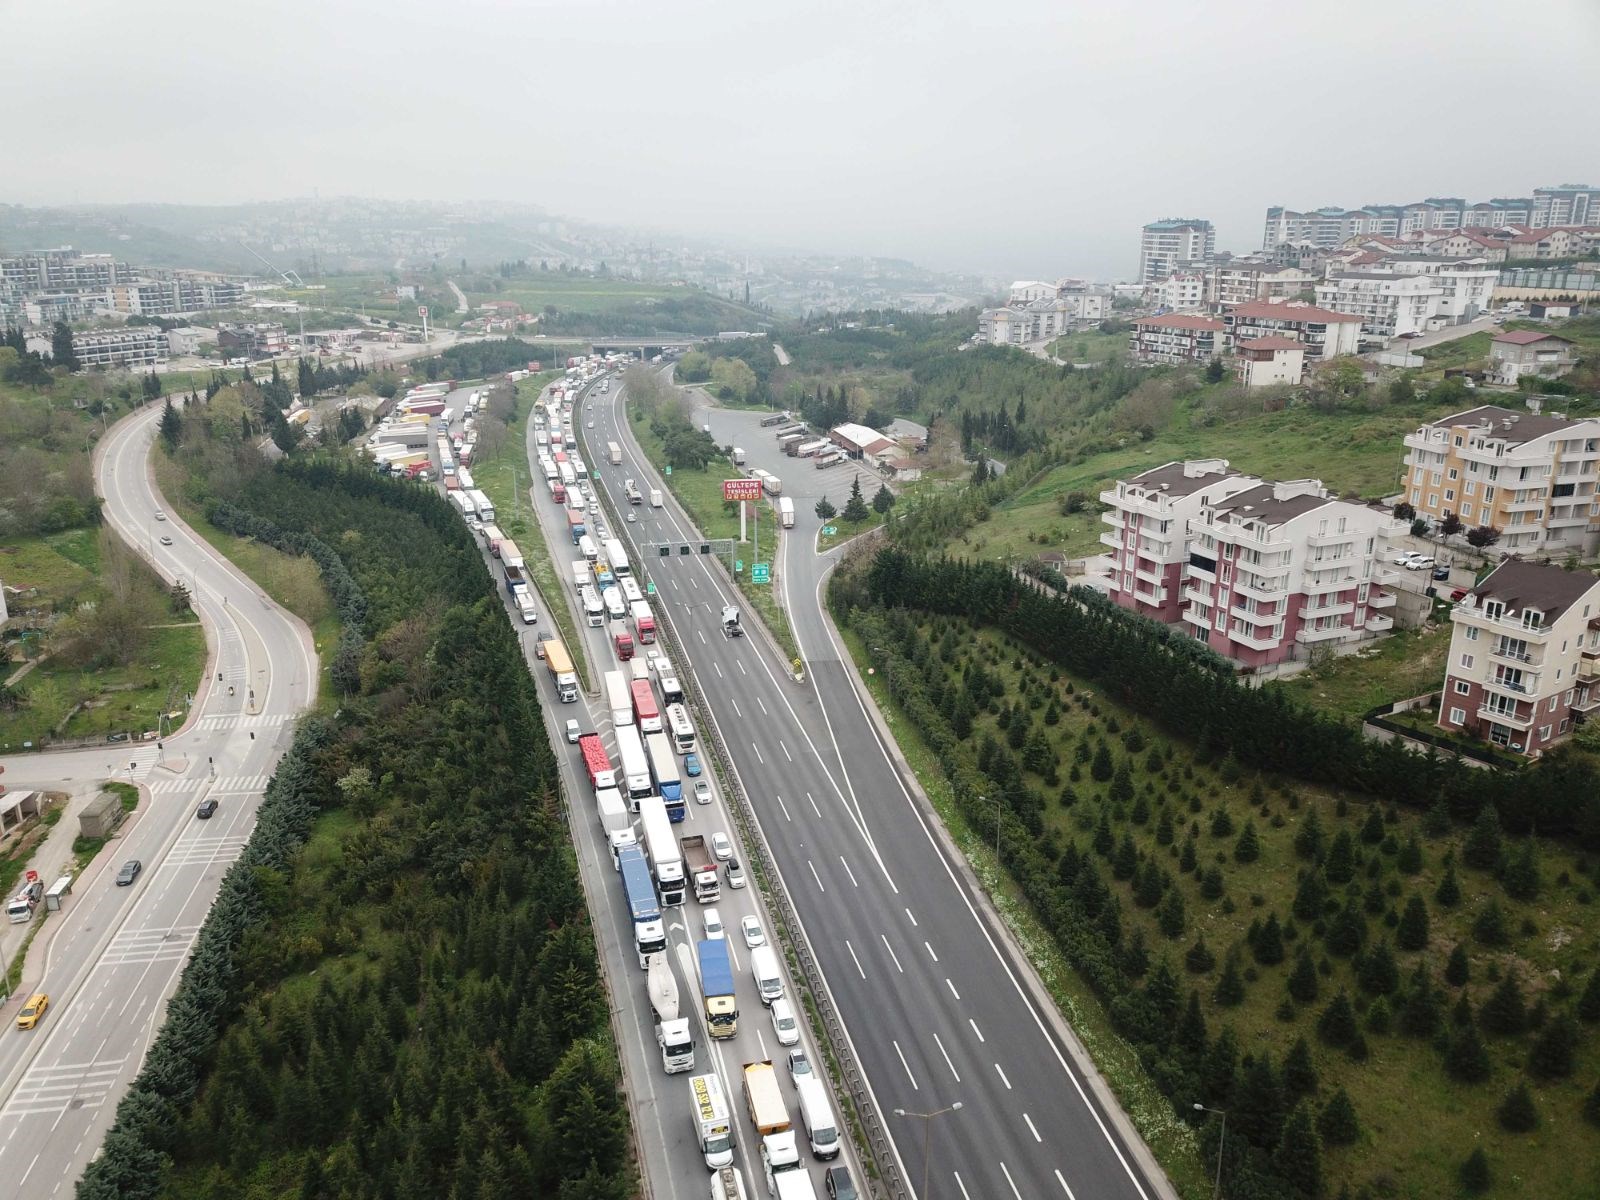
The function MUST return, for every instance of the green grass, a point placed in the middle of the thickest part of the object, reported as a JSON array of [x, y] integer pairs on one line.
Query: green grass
[[700, 494], [505, 477], [1417, 1123], [1089, 346], [847, 530], [575, 293], [1406, 664], [1458, 352]]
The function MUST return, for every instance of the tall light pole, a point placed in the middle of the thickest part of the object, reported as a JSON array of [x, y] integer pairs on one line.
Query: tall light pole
[[927, 1130], [1222, 1140]]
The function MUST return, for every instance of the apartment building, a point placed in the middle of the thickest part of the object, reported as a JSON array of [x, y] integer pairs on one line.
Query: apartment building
[[61, 270], [1389, 305], [1177, 338], [1567, 241], [1241, 282], [1530, 475], [254, 340], [1332, 226], [1569, 204], [1324, 333], [183, 292], [1167, 245], [1524, 662], [1266, 361], [45, 310], [1148, 541], [142, 346], [1282, 568], [1531, 352], [1182, 291]]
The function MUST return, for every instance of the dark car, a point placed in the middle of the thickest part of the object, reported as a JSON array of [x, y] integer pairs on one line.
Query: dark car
[[839, 1185], [1441, 572], [207, 807], [130, 872]]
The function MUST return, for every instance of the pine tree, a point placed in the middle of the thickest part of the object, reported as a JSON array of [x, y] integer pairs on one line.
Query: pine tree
[[1409, 860], [1474, 1172], [1377, 972], [1489, 926], [1337, 1121], [1219, 1071], [1311, 897], [1517, 1113], [1484, 845], [1309, 838], [1211, 884], [1302, 982], [1257, 1110], [1505, 1012], [1458, 970], [1188, 859], [1299, 1072], [1466, 1058], [1248, 848], [855, 508], [1199, 958], [1192, 1029], [1589, 1002], [884, 500], [1554, 1049], [1337, 1024], [1172, 916], [1340, 865], [1164, 830], [1298, 1158], [1347, 932], [1448, 893], [1420, 1014], [1101, 767], [1372, 829], [1380, 1017], [1104, 840], [1268, 944], [1521, 879], [1121, 790], [1135, 958], [1412, 933], [171, 426], [1126, 861], [61, 348], [1591, 1107], [1221, 824], [825, 510], [1230, 988]]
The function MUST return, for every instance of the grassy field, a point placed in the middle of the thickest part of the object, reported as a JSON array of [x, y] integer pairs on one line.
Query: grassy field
[[1406, 664], [1089, 346], [575, 293], [1416, 1122], [505, 477], [700, 493]]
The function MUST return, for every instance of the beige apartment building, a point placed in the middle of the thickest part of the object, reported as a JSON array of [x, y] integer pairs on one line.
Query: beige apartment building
[[1530, 475]]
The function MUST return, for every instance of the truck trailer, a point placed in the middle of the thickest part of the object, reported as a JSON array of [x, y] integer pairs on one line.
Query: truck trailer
[[596, 761], [645, 711], [701, 868], [786, 512], [559, 663], [644, 622], [649, 933], [716, 985], [666, 860], [672, 1030], [619, 700], [616, 821]]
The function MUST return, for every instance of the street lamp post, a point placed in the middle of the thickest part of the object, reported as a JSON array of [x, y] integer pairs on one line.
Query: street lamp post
[[927, 1130], [1222, 1140]]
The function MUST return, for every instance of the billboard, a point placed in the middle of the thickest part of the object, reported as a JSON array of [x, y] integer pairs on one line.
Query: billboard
[[741, 489]]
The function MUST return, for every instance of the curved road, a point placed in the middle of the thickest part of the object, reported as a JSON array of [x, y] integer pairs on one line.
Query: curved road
[[112, 957]]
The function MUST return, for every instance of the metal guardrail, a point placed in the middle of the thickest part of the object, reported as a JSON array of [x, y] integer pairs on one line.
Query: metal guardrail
[[889, 1181]]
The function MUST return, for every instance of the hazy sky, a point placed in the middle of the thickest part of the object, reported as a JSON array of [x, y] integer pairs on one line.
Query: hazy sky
[[1015, 137]]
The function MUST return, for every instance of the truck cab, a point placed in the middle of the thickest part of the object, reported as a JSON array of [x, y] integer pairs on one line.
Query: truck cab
[[624, 644], [730, 622]]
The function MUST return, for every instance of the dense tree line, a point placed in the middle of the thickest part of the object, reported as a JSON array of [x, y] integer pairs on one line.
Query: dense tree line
[[415, 1010], [697, 313]]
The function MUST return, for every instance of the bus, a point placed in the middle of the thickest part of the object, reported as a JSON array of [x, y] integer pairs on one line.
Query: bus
[[617, 557], [631, 592], [635, 766], [664, 768], [678, 725]]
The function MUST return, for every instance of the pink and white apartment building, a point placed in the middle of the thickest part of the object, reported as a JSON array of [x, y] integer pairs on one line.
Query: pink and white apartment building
[[1524, 663]]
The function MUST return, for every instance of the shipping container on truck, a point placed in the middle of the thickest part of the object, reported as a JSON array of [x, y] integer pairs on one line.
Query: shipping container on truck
[[790, 443], [619, 699], [772, 485], [559, 663], [596, 761], [644, 622], [764, 1099], [635, 781], [617, 557], [492, 537], [716, 985], [655, 497], [511, 560], [649, 932], [646, 712], [786, 512], [614, 454], [738, 456], [664, 770], [451, 483], [661, 847], [576, 526], [464, 477], [616, 820]]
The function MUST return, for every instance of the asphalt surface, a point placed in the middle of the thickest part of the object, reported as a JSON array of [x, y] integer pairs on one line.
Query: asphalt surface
[[935, 1004], [113, 955]]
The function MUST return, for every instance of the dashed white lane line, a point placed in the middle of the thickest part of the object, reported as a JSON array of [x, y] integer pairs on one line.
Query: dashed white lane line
[[975, 1029], [814, 807], [735, 704], [742, 671], [931, 954], [952, 988], [1011, 1181], [892, 955], [1031, 1129], [717, 669], [785, 750], [962, 1186], [957, 1073], [674, 583], [998, 1071], [757, 749], [907, 1066], [1062, 1181], [701, 635], [763, 707], [785, 808], [815, 876], [854, 959], [848, 871], [913, 919]]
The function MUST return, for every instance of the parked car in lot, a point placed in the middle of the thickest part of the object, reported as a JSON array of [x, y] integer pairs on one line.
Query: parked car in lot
[[1404, 557], [130, 872], [1421, 563], [1441, 572]]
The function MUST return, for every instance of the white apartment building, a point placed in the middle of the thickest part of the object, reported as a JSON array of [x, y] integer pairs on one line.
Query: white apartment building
[[61, 270], [1333, 226], [1177, 338], [1148, 542], [1025, 291], [45, 310], [1182, 291], [1530, 475], [184, 292], [142, 346], [1325, 334], [1242, 282], [1266, 361], [1168, 244], [1388, 304], [1524, 661], [1279, 569]]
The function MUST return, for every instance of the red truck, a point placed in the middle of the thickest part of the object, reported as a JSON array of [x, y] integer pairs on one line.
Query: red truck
[[624, 644], [644, 622], [597, 762], [645, 709]]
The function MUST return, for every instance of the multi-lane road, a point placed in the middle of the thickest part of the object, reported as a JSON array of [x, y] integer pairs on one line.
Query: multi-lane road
[[113, 955], [934, 1003]]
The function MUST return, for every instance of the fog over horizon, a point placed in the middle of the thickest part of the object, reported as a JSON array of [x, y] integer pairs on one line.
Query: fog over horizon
[[1029, 139]]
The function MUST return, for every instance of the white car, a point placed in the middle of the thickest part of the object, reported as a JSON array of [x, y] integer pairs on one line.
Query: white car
[[1421, 563], [574, 731], [165, 540], [754, 935], [1404, 557], [784, 1024], [721, 847], [702, 792], [160, 516], [711, 919]]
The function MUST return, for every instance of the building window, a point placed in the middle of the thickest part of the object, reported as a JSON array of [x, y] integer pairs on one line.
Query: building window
[[1544, 733], [1466, 510], [1458, 716], [1472, 633], [1472, 486], [1466, 662], [1449, 494], [1433, 500], [1566, 724], [1463, 688], [1454, 474]]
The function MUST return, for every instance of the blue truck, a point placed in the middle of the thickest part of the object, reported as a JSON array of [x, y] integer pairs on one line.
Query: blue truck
[[649, 934], [716, 983]]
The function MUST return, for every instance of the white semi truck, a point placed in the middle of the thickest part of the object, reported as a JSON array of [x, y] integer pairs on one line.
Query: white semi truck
[[672, 1031]]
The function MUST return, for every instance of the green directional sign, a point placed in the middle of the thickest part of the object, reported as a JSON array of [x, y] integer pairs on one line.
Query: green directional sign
[[829, 530], [738, 565], [669, 469], [650, 589], [760, 572]]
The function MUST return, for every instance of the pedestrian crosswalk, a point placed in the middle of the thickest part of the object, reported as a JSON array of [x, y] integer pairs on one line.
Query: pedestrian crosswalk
[[241, 783], [206, 851], [223, 784], [54, 1090], [141, 947], [173, 787], [240, 721]]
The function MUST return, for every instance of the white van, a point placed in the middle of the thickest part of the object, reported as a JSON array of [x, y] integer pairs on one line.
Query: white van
[[594, 610], [582, 575], [821, 1128], [590, 550], [615, 609], [764, 970], [20, 909]]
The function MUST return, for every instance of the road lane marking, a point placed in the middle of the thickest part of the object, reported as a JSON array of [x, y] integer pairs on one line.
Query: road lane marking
[[931, 954], [961, 1185], [976, 1030], [892, 955], [814, 807], [785, 750], [907, 1066], [1002, 1075], [815, 876], [763, 707], [700, 633], [1064, 1186], [674, 583], [757, 749], [717, 669], [952, 987], [783, 806], [742, 671], [1011, 1181], [913, 919], [952, 1066], [1031, 1129], [735, 704], [848, 871], [854, 959]]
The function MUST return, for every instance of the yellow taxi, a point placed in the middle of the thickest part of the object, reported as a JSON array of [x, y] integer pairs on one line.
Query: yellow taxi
[[32, 1010]]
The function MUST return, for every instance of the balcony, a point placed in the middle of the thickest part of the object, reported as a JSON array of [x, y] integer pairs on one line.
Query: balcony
[[1507, 652], [1134, 503], [1534, 505], [1197, 571], [1327, 606], [1308, 637], [1475, 616], [1255, 641], [1377, 599], [1589, 666], [1505, 717], [1526, 688], [1394, 529], [1315, 540], [1142, 569], [1586, 701], [1378, 623], [1113, 540], [1238, 535], [1567, 519], [1196, 597], [1113, 519], [1270, 590]]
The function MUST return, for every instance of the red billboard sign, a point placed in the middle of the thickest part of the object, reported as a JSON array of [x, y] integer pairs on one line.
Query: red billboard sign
[[741, 489]]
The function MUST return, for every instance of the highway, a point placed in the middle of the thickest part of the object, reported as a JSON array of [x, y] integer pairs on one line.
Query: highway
[[934, 1003], [113, 955]]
